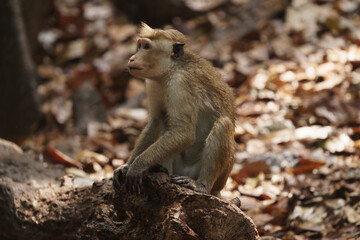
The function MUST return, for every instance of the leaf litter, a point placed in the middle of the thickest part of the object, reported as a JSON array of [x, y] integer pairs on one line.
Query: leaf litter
[[297, 85]]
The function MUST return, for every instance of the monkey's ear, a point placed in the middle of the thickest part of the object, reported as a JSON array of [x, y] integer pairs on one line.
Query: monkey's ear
[[178, 50]]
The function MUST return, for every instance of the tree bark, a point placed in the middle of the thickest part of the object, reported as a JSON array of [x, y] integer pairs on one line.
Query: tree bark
[[19, 103], [247, 17], [35, 206], [243, 16]]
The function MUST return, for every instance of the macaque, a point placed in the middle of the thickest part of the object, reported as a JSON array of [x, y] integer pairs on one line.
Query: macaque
[[190, 129]]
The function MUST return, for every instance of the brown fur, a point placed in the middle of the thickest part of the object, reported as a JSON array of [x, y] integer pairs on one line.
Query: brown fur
[[191, 115], [207, 83], [147, 32]]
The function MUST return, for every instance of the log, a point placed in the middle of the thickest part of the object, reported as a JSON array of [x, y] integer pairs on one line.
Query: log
[[39, 206]]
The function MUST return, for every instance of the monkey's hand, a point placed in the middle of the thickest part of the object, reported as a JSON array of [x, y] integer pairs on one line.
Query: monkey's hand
[[119, 173], [134, 176], [187, 182]]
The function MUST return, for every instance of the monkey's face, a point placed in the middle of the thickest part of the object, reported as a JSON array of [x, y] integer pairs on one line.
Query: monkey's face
[[152, 58]]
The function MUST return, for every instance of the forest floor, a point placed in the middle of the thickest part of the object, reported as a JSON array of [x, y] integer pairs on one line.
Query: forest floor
[[297, 86]]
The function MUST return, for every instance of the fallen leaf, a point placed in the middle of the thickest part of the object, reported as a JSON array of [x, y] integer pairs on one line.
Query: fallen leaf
[[336, 203], [352, 215], [76, 172], [95, 11], [138, 114], [75, 49], [61, 109], [341, 143], [81, 73], [313, 132], [257, 108], [203, 5], [117, 162], [306, 165], [347, 6], [248, 203], [251, 170], [88, 157], [119, 33], [47, 38], [59, 157], [255, 146], [259, 80], [309, 218], [261, 219], [82, 182]]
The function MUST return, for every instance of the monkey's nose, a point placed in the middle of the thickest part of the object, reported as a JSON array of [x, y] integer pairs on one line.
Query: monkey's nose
[[132, 58]]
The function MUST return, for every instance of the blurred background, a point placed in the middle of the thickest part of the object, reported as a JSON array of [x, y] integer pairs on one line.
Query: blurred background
[[294, 66]]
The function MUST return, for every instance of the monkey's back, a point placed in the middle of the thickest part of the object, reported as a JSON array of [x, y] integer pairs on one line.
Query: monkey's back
[[207, 85]]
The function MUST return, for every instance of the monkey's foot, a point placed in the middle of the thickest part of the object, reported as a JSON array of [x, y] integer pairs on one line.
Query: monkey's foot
[[187, 182]]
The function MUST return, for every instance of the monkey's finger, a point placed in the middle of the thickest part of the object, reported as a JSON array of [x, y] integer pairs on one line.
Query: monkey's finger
[[184, 182], [175, 178], [140, 185], [179, 177], [125, 169], [136, 185], [133, 185], [127, 185], [189, 186], [116, 183], [180, 180], [130, 184], [116, 180], [138, 189]]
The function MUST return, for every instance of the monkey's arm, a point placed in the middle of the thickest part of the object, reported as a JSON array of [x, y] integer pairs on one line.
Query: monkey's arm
[[182, 115], [150, 132], [172, 142], [146, 138]]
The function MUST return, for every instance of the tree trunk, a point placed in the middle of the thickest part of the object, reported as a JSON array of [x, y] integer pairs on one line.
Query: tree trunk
[[243, 16], [33, 205], [19, 103]]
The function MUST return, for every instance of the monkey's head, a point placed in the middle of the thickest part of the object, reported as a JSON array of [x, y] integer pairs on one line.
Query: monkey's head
[[156, 51]]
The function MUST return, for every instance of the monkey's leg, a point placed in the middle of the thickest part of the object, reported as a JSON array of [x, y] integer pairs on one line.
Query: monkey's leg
[[216, 161], [218, 156]]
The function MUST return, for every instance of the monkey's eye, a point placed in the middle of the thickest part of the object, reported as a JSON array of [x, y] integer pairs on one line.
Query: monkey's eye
[[138, 46], [147, 46]]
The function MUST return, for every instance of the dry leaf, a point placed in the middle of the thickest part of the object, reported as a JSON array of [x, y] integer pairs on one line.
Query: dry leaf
[[59, 157], [306, 165], [203, 5], [251, 170]]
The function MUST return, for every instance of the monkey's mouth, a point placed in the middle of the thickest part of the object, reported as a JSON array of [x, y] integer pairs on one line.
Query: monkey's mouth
[[135, 68]]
